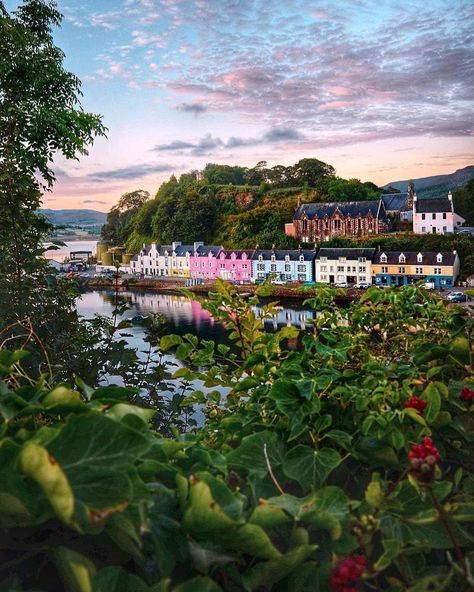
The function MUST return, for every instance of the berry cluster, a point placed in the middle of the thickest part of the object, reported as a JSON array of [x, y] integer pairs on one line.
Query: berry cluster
[[423, 458], [467, 395], [346, 573], [416, 403]]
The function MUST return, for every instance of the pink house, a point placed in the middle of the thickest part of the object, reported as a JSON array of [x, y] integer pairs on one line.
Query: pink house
[[203, 263], [235, 265]]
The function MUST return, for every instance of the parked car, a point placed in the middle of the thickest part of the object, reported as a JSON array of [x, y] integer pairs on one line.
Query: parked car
[[457, 297], [278, 282], [341, 285], [361, 285]]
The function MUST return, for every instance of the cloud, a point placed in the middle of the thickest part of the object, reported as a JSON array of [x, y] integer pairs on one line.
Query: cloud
[[131, 172], [93, 201], [194, 108], [208, 144]]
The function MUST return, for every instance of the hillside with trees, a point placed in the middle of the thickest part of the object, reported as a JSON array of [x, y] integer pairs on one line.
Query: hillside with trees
[[231, 205]]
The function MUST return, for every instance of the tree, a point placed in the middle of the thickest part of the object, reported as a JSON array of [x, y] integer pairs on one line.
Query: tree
[[311, 170], [463, 200], [40, 117], [119, 222]]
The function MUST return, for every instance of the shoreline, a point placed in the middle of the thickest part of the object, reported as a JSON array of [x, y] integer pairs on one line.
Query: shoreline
[[175, 286]]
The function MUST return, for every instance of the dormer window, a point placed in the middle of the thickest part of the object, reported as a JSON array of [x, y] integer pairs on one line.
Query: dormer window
[[273, 258], [383, 258], [419, 258], [439, 258], [402, 258], [287, 257], [301, 257], [260, 257]]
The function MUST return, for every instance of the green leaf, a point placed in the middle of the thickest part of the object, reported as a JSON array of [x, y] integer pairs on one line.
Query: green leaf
[[37, 463], [250, 454], [183, 351], [310, 467], [199, 584], [374, 494], [75, 569], [95, 452], [116, 579], [392, 548], [342, 438], [169, 341], [460, 350], [119, 411], [432, 395], [268, 517]]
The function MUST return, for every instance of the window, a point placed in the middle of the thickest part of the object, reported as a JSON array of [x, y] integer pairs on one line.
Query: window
[[342, 259], [305, 225], [287, 267], [301, 257], [288, 276], [423, 216], [323, 259], [244, 265], [222, 265], [302, 268], [445, 228], [383, 258], [260, 266], [324, 267], [196, 264], [260, 257], [419, 271], [273, 257], [384, 269], [324, 277], [287, 257], [362, 278], [203, 264], [354, 269], [433, 216], [437, 270], [362, 259], [341, 278], [439, 258], [419, 257], [423, 229], [402, 258], [401, 270], [340, 268], [444, 215], [273, 267], [362, 269]]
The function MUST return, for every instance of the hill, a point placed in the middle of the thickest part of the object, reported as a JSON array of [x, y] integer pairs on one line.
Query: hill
[[437, 185], [82, 218]]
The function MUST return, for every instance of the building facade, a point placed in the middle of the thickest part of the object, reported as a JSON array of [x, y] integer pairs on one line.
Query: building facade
[[351, 266], [316, 222], [235, 265], [396, 268], [164, 260], [435, 216], [204, 263], [285, 266]]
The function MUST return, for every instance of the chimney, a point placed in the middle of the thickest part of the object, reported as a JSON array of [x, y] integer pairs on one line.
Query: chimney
[[197, 245], [175, 244]]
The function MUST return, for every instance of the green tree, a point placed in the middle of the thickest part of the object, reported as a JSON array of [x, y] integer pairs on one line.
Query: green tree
[[463, 200], [40, 117], [311, 170], [119, 222]]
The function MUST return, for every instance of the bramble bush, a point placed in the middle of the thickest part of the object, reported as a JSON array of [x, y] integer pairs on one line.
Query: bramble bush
[[339, 459]]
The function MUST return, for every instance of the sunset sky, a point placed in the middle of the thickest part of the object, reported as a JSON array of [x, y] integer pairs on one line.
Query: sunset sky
[[382, 90]]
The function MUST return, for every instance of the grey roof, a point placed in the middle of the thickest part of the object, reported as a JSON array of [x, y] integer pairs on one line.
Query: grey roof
[[394, 201], [239, 253], [429, 258], [204, 250], [348, 208], [434, 205], [294, 254], [347, 253]]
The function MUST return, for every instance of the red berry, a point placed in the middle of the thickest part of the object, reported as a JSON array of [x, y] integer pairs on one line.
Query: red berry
[[416, 403], [346, 573], [423, 458], [466, 395]]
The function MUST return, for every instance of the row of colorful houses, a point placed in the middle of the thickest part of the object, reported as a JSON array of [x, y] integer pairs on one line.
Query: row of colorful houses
[[329, 266]]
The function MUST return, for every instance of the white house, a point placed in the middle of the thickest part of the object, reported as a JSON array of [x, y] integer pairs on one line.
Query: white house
[[350, 266], [435, 216], [164, 260]]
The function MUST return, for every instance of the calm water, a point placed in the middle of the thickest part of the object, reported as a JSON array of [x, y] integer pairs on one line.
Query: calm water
[[63, 252]]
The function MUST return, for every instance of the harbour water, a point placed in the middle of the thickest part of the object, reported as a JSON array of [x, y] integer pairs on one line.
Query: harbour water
[[63, 252]]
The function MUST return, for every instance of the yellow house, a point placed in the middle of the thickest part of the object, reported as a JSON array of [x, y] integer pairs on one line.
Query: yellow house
[[397, 268]]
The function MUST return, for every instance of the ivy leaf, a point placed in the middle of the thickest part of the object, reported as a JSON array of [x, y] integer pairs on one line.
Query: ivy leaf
[[250, 454], [169, 341], [116, 579], [75, 569], [310, 467]]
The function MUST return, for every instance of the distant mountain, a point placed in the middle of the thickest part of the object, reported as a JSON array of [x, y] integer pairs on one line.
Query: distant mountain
[[74, 217], [438, 185]]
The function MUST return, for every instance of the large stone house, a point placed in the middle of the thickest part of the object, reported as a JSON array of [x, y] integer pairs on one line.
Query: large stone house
[[316, 222], [435, 216], [397, 268]]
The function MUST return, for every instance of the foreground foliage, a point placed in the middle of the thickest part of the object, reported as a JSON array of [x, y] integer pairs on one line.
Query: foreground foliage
[[338, 460]]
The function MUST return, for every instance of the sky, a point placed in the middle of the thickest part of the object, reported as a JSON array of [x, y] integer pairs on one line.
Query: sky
[[382, 90]]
